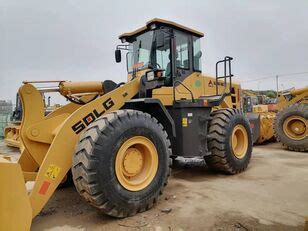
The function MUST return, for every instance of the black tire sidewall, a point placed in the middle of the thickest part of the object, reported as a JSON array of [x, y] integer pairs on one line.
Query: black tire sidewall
[[294, 110], [107, 148], [237, 163]]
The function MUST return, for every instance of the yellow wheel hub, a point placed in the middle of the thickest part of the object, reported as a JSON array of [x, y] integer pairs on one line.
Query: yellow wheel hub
[[136, 163], [239, 141], [295, 127], [133, 162]]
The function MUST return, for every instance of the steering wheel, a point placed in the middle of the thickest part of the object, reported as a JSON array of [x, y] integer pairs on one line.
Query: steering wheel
[[150, 63]]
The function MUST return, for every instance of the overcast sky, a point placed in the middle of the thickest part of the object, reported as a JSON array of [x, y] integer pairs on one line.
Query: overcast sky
[[75, 40]]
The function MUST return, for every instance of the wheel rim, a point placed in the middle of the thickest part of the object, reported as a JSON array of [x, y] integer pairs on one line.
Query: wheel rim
[[295, 127], [136, 163], [239, 141]]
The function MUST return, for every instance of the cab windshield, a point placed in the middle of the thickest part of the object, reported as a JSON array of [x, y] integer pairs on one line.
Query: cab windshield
[[144, 52], [139, 51]]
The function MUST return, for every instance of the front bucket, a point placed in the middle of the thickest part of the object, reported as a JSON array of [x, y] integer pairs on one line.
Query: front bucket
[[11, 135], [15, 207]]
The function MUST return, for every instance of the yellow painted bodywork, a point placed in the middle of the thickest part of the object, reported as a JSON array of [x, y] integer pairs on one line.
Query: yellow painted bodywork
[[239, 141], [48, 142], [200, 85], [267, 118], [298, 95], [68, 88], [266, 126], [266, 123], [15, 208], [12, 131], [136, 163], [163, 21], [295, 127], [48, 145], [138, 74], [260, 108]]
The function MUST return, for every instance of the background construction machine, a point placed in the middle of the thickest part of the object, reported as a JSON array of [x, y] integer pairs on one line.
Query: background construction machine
[[285, 121], [119, 139], [12, 131], [291, 122], [261, 116]]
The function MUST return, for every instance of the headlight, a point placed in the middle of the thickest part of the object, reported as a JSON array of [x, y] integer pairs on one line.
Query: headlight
[[153, 26]]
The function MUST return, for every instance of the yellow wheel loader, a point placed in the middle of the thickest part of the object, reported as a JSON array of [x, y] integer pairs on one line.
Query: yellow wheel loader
[[118, 140], [260, 117], [291, 122], [11, 132]]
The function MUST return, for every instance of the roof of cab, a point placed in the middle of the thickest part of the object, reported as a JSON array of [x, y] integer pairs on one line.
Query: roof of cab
[[161, 22]]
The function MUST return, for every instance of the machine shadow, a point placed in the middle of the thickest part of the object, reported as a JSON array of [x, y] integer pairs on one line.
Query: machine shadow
[[192, 169]]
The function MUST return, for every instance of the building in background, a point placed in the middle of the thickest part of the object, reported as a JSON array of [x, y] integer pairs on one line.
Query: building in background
[[6, 109]]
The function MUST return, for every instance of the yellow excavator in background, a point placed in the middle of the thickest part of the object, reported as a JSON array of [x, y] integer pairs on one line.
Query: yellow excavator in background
[[291, 122], [118, 140]]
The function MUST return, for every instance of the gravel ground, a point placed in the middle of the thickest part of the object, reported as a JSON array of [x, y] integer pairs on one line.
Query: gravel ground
[[271, 195]]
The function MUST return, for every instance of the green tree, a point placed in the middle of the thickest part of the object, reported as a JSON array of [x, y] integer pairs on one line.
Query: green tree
[[271, 94]]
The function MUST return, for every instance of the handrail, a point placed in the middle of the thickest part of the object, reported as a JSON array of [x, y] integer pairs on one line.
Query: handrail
[[178, 81], [225, 76]]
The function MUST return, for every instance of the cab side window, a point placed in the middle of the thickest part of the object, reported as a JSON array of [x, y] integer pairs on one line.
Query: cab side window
[[197, 54], [181, 53], [163, 57]]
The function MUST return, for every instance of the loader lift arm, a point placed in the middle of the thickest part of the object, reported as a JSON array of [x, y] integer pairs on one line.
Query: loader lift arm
[[291, 97], [49, 143]]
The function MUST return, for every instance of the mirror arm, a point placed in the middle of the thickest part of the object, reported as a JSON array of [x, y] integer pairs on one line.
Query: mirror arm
[[123, 47]]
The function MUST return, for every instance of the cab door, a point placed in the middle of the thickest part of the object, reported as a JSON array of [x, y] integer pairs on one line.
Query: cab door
[[184, 66]]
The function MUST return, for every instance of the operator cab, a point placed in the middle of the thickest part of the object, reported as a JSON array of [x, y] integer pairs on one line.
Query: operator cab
[[162, 49], [166, 54]]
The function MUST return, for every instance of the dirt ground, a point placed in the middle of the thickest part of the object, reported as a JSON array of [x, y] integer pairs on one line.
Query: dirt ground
[[271, 195]]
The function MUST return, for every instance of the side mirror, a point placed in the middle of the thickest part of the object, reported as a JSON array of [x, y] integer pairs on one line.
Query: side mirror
[[117, 54]]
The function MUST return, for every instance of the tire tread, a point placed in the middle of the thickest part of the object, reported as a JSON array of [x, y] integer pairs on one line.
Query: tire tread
[[83, 167]]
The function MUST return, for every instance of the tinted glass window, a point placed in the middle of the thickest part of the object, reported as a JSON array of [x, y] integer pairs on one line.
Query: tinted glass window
[[197, 53], [162, 52], [181, 41], [139, 52], [163, 61]]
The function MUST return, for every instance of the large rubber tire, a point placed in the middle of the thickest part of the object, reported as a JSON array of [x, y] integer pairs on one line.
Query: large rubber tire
[[94, 162], [220, 131], [67, 181], [300, 110]]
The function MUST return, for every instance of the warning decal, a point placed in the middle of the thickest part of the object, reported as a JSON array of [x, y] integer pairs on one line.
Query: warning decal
[[184, 122], [44, 187], [52, 171]]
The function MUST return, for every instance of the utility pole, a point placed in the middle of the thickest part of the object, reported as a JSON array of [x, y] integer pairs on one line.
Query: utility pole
[[277, 87]]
